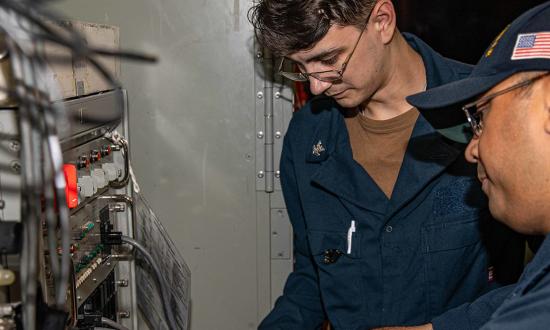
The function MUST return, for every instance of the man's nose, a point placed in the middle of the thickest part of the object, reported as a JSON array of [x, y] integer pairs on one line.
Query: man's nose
[[317, 86], [471, 152]]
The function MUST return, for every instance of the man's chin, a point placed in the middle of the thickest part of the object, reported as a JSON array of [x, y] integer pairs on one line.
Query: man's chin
[[499, 211], [346, 102]]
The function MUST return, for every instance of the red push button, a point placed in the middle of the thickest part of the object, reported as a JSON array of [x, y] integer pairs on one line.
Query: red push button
[[71, 190]]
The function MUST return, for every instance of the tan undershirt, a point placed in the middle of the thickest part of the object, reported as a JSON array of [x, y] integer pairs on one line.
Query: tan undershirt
[[380, 145]]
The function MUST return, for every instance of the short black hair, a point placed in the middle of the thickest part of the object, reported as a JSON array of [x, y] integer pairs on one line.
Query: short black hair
[[288, 26]]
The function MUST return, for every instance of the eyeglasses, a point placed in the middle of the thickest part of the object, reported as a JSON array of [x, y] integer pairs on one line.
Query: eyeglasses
[[328, 75], [474, 111]]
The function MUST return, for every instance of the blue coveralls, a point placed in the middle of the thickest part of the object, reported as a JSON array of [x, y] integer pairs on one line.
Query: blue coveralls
[[528, 306], [412, 257]]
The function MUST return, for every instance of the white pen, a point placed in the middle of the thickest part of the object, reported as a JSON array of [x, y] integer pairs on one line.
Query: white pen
[[351, 230]]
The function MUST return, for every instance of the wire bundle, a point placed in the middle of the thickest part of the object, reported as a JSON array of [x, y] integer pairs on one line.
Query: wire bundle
[[42, 179]]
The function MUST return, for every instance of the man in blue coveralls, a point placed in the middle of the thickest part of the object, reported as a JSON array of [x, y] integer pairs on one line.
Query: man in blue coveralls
[[390, 225], [508, 107]]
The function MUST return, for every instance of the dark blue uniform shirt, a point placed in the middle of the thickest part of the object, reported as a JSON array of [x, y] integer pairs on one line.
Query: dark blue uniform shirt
[[528, 306], [412, 257]]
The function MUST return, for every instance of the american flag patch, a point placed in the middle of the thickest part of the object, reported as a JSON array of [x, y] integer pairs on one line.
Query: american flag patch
[[532, 45], [491, 274]]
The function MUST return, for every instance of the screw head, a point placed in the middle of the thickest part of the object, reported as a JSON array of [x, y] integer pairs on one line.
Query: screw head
[[15, 166], [260, 95], [261, 174], [15, 145], [260, 135], [122, 283]]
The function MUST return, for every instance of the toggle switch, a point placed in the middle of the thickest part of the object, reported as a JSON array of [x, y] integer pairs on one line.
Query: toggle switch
[[71, 186]]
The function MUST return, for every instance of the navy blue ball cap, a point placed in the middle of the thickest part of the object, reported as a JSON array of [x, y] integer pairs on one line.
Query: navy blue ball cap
[[524, 45]]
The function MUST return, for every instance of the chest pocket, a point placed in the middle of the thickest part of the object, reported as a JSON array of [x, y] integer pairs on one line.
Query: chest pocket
[[452, 235], [340, 276], [321, 241], [455, 263]]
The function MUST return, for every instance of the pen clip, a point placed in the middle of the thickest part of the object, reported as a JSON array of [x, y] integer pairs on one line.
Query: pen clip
[[351, 230]]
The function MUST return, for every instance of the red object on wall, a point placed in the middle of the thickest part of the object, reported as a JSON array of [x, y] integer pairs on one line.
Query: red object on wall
[[301, 95], [71, 190]]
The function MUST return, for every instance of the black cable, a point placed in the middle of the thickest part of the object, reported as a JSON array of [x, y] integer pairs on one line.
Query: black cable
[[5, 264], [112, 324], [90, 50], [51, 225], [163, 287], [77, 42], [38, 119], [27, 207], [56, 159], [33, 117], [126, 155]]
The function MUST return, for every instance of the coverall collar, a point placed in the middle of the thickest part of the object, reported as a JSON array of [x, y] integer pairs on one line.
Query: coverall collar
[[427, 156]]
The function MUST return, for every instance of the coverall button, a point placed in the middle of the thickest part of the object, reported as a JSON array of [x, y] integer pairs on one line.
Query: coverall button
[[389, 229]]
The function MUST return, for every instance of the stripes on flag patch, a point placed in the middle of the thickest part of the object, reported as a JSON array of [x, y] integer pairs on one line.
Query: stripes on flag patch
[[532, 45]]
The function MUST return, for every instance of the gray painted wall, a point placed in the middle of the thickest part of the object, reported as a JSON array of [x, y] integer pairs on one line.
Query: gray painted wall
[[192, 128]]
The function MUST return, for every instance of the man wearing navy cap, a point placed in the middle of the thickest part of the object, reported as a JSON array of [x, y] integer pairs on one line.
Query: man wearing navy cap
[[507, 103], [390, 224]]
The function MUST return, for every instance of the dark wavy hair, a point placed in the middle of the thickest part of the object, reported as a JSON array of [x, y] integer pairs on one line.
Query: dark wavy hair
[[287, 26]]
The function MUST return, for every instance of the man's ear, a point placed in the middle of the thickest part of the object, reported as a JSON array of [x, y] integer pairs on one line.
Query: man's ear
[[384, 20]]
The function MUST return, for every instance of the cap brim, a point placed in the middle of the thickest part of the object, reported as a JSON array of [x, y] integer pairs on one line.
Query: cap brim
[[456, 92]]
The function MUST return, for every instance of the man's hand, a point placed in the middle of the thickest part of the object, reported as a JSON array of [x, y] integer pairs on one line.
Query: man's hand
[[418, 327]]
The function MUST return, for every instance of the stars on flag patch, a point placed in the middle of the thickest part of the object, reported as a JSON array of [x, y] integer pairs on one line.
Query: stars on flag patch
[[531, 46]]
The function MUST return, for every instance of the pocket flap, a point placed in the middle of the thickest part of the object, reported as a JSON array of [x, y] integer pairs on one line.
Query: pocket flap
[[449, 236]]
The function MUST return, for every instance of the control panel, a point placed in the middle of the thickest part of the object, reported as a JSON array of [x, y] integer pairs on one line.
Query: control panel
[[95, 168], [90, 169]]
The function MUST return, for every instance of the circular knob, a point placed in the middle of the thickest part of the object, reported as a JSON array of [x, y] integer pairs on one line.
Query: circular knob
[[95, 156], [82, 162], [106, 150]]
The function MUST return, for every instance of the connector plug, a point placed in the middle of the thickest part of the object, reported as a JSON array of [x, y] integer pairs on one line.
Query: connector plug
[[111, 238]]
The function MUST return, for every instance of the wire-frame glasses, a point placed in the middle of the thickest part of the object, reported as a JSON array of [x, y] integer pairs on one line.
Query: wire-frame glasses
[[474, 110], [326, 76]]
